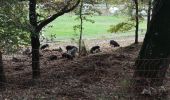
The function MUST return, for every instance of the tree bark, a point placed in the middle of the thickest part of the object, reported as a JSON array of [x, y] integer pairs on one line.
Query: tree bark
[[149, 13], [153, 59], [137, 22], [81, 27], [2, 74], [35, 43]]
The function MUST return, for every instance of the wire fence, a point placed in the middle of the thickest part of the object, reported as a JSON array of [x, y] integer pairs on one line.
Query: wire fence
[[101, 76]]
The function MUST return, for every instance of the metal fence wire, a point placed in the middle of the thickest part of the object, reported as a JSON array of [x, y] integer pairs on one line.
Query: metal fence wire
[[101, 76]]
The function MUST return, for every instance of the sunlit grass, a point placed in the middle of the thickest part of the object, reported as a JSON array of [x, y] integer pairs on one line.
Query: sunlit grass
[[62, 27]]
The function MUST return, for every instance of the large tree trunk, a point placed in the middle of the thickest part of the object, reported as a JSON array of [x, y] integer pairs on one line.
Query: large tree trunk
[[2, 74], [153, 59]]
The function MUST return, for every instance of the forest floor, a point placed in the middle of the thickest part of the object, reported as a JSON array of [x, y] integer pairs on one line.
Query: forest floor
[[102, 76]]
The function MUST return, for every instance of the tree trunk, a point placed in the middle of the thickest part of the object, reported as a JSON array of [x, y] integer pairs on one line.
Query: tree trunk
[[2, 74], [81, 27], [35, 43], [107, 6], [137, 22], [153, 59], [149, 13]]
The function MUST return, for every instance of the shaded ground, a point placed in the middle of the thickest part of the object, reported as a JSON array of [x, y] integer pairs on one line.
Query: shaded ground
[[102, 76]]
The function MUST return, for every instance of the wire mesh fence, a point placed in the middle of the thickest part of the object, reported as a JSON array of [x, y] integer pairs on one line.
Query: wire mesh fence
[[108, 75]]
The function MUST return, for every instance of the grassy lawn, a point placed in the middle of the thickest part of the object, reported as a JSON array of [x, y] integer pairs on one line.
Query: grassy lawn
[[62, 27]]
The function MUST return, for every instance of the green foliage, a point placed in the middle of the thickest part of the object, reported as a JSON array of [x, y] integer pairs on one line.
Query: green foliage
[[130, 23], [52, 37], [122, 27], [14, 26], [76, 27]]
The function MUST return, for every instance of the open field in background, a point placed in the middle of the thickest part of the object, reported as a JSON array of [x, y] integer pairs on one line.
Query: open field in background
[[62, 27]]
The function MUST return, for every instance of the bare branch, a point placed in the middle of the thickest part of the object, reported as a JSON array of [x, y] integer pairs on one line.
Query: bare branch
[[64, 10]]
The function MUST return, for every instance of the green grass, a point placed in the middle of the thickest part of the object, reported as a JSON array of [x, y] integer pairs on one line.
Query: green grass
[[62, 27]]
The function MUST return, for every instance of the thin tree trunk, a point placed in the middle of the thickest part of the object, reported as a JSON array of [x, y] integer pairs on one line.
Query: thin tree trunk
[[107, 7], [137, 22], [35, 57], [153, 59], [35, 43], [149, 13], [81, 27], [2, 74]]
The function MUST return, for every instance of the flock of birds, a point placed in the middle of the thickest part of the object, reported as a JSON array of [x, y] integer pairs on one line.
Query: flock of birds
[[71, 50]]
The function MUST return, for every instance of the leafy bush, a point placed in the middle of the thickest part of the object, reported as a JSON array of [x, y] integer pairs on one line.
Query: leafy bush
[[14, 27], [121, 27]]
